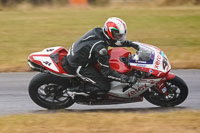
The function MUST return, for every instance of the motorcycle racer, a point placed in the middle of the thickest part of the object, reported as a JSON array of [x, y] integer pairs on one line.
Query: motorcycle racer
[[92, 47]]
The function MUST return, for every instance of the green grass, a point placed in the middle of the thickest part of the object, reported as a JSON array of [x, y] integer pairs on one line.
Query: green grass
[[175, 30]]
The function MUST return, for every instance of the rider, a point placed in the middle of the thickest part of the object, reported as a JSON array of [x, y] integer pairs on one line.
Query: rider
[[92, 47]]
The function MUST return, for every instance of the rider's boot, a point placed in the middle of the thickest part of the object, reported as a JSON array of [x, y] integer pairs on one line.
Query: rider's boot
[[99, 96], [88, 90], [78, 89], [96, 93]]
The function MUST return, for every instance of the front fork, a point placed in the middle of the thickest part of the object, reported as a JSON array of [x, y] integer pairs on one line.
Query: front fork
[[161, 84]]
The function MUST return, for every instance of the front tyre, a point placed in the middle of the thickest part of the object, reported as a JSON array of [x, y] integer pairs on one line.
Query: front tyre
[[177, 93], [49, 91]]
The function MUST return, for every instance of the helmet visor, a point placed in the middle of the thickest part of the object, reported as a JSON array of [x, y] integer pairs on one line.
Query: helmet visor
[[120, 37]]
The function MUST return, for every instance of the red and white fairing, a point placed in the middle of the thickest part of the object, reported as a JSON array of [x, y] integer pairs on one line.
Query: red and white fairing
[[157, 64], [50, 59], [149, 59]]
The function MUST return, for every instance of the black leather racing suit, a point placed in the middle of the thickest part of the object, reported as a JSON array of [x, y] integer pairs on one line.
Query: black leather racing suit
[[84, 53]]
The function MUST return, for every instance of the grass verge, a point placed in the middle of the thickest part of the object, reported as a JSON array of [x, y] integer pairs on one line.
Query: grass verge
[[171, 122], [25, 30]]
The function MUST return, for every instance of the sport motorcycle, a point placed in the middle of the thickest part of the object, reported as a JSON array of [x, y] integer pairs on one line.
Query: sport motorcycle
[[54, 88]]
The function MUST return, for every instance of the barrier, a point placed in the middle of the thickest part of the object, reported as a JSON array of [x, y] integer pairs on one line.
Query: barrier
[[78, 2]]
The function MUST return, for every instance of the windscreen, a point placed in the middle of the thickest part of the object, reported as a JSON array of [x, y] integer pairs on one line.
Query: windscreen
[[144, 53]]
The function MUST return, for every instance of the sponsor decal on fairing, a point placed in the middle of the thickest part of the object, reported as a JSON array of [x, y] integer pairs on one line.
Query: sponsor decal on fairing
[[158, 60]]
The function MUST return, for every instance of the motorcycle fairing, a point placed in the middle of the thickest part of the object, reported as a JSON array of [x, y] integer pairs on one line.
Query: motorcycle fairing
[[158, 65], [49, 58], [115, 63], [123, 90]]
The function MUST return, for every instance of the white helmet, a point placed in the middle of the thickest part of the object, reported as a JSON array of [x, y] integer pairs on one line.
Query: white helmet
[[115, 29]]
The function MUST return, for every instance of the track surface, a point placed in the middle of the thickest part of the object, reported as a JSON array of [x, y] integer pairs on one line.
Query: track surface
[[14, 97]]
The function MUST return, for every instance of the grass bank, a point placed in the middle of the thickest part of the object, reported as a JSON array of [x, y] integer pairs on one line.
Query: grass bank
[[25, 30], [101, 122]]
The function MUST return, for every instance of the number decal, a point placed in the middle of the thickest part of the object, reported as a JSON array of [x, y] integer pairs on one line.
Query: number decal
[[49, 50], [47, 63]]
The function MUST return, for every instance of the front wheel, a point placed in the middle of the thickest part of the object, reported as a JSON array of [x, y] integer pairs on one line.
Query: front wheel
[[49, 91], [177, 93]]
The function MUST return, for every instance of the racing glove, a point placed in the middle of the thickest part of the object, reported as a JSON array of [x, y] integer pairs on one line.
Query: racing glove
[[126, 79], [128, 43]]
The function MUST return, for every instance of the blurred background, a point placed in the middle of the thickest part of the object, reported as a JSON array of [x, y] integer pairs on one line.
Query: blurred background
[[97, 2], [28, 26]]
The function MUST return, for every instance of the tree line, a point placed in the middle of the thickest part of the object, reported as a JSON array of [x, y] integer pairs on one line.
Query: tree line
[[35, 2], [41, 2], [93, 2]]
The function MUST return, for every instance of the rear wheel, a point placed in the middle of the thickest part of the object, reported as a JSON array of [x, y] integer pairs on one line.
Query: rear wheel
[[49, 91], [177, 93]]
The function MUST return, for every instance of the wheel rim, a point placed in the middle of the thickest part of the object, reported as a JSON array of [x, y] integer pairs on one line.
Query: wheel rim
[[52, 93], [173, 93]]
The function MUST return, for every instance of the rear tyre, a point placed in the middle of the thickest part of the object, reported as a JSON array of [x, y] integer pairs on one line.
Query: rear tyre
[[177, 93], [49, 91]]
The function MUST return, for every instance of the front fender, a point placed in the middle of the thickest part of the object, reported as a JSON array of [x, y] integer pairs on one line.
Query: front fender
[[170, 76], [161, 84]]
